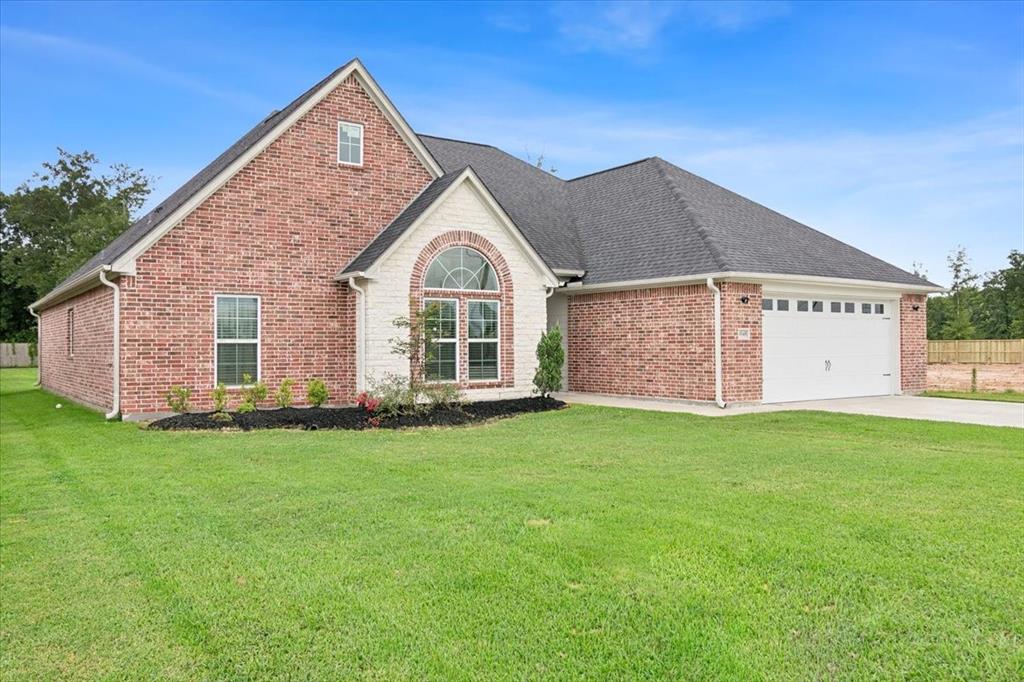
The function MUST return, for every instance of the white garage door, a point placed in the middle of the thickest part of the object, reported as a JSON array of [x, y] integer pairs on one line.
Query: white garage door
[[816, 348]]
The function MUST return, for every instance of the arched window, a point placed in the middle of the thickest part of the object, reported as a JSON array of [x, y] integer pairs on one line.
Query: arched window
[[461, 268]]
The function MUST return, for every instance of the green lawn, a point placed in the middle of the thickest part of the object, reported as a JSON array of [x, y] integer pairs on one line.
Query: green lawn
[[587, 543], [1000, 396]]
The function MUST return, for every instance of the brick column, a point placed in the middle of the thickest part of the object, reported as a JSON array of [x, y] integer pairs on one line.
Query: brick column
[[913, 343], [741, 342]]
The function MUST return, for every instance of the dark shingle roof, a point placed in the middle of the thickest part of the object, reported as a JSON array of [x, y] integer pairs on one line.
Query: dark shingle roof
[[365, 258], [650, 219]]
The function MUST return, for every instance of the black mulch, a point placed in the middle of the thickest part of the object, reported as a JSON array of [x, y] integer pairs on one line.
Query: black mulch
[[313, 418]]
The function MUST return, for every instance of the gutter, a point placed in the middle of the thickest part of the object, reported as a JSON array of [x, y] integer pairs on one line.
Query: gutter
[[116, 364], [360, 335], [718, 340], [39, 346]]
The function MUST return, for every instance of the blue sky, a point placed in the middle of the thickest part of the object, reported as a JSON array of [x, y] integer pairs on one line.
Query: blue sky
[[898, 128]]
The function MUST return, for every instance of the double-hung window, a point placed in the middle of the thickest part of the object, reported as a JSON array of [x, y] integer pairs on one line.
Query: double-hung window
[[71, 332], [442, 320], [238, 339], [483, 340], [350, 143]]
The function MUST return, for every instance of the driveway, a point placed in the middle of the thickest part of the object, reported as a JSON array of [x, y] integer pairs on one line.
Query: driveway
[[985, 412]]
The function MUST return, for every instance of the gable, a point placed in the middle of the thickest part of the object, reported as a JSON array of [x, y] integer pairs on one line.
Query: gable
[[120, 254]]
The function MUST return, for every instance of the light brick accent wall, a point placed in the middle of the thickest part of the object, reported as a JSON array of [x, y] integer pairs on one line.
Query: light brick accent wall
[[86, 375], [463, 219], [742, 375], [643, 342], [913, 343], [281, 229]]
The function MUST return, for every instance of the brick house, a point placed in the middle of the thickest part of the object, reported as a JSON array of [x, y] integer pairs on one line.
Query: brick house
[[291, 254]]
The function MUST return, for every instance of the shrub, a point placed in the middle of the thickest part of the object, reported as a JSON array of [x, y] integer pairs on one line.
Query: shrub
[[367, 402], [252, 394], [394, 396], [443, 395], [220, 398], [283, 398], [178, 399], [550, 358], [316, 392]]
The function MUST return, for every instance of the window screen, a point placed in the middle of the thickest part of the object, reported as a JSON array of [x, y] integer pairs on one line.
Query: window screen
[[238, 339]]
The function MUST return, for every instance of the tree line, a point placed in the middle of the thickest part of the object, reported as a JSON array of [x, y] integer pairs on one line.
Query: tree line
[[989, 306]]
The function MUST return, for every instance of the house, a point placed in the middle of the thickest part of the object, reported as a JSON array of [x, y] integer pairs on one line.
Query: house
[[291, 254]]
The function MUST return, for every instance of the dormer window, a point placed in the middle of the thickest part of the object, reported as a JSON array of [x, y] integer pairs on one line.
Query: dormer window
[[350, 143]]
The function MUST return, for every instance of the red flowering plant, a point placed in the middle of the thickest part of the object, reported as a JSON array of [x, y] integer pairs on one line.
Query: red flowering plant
[[370, 404]]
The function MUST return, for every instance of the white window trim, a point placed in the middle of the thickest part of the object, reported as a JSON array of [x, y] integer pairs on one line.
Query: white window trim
[[427, 300], [487, 260], [362, 144], [71, 331], [496, 341], [259, 337]]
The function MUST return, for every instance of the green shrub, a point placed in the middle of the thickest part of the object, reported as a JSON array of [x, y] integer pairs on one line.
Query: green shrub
[[178, 399], [550, 358], [283, 398], [394, 395], [316, 392], [220, 398], [252, 393], [443, 395]]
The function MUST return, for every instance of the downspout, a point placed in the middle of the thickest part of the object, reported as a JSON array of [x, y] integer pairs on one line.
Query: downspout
[[39, 346], [360, 335], [718, 341], [116, 367]]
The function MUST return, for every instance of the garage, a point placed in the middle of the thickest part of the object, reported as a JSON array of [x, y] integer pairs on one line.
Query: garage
[[818, 347]]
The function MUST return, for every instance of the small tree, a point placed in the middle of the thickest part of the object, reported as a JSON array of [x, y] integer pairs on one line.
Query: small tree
[[418, 344], [283, 398], [317, 393], [550, 358]]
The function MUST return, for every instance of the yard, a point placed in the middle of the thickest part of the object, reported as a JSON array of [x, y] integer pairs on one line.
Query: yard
[[584, 543]]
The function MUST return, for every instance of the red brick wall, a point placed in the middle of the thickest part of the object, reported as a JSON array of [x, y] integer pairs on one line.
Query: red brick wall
[[280, 229], [645, 342], [505, 296], [86, 375], [741, 359], [913, 343]]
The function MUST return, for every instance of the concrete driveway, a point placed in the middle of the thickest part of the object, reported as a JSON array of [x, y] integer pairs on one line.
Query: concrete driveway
[[985, 412]]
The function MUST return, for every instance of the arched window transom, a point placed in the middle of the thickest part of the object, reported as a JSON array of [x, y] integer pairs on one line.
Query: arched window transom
[[461, 268]]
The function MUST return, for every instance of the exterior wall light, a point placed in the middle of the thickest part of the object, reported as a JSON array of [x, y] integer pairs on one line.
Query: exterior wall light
[[915, 307], [744, 300]]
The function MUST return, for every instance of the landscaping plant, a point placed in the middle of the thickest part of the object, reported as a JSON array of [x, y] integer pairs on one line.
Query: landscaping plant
[[178, 399], [550, 357], [220, 403], [253, 393], [283, 397], [316, 392]]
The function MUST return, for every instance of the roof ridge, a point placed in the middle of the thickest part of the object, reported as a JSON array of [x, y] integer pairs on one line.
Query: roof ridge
[[613, 168], [705, 237]]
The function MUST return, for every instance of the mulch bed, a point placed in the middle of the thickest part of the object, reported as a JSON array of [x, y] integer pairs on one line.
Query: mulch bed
[[356, 418]]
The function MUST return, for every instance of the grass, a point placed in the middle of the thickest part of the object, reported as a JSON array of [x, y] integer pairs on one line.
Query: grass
[[1007, 396], [587, 543]]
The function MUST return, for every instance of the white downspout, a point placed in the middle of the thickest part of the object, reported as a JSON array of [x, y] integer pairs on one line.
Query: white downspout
[[718, 341], [360, 335], [39, 346], [116, 368]]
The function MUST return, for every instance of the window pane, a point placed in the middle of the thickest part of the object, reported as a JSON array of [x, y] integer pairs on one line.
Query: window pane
[[461, 268], [350, 143], [237, 317], [865, 308], [848, 307], [483, 360], [837, 307], [801, 306], [879, 308], [766, 304], [782, 305], [440, 362], [441, 318], [235, 360], [483, 319], [817, 307]]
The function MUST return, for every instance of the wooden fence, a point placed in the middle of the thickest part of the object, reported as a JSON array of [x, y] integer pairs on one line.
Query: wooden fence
[[977, 351], [17, 355]]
